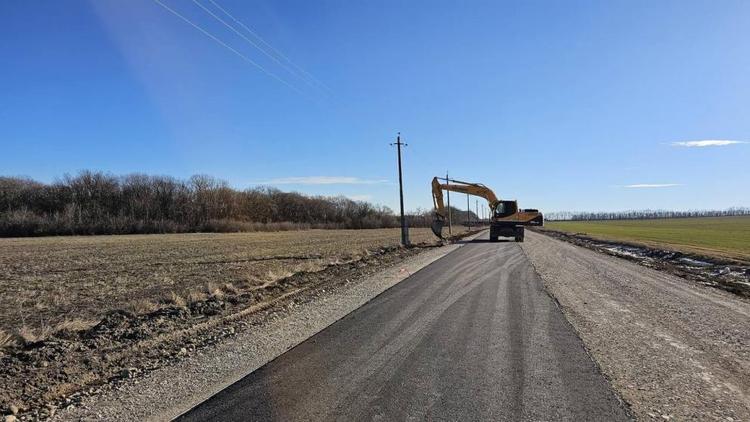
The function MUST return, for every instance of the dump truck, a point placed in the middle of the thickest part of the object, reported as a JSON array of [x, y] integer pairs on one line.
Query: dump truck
[[506, 219]]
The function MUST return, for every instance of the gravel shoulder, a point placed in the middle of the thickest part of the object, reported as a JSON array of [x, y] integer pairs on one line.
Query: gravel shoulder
[[730, 275], [672, 348], [166, 392]]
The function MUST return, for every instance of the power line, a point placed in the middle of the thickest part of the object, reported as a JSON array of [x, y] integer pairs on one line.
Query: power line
[[302, 71], [225, 45], [251, 42]]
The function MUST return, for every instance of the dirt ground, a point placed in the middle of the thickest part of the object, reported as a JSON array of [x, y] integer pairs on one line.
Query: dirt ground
[[52, 282]]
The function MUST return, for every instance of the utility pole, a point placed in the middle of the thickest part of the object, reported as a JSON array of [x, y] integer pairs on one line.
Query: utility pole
[[476, 204], [404, 229], [468, 212], [450, 225]]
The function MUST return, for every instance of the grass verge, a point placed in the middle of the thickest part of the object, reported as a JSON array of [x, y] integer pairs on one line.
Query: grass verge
[[715, 237]]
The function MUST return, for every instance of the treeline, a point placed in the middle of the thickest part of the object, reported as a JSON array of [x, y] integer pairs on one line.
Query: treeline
[[458, 217], [100, 203], [644, 214]]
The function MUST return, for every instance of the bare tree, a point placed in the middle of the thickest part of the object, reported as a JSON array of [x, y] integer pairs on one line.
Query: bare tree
[[100, 203]]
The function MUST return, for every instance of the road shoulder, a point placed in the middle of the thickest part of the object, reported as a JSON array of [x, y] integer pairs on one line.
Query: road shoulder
[[673, 349]]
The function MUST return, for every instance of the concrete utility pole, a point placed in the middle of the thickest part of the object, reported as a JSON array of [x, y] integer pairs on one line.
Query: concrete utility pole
[[476, 204], [448, 193], [404, 228], [468, 212]]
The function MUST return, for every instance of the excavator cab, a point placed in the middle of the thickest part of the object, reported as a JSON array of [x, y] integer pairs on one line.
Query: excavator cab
[[505, 209]]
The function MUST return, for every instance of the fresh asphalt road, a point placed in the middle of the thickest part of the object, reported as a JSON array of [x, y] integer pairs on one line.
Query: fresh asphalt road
[[473, 336]]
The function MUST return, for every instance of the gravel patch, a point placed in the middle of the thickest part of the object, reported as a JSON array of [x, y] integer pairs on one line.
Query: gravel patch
[[731, 276], [169, 391]]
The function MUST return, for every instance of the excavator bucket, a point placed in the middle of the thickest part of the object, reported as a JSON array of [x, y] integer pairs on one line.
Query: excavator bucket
[[437, 227]]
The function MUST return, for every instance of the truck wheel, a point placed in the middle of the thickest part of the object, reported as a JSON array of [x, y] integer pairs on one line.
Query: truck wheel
[[519, 238], [493, 238]]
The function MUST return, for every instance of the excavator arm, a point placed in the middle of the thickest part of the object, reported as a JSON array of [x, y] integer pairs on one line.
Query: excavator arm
[[476, 189], [507, 219]]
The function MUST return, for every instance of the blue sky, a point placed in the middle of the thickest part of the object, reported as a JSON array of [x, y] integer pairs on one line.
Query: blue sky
[[562, 105]]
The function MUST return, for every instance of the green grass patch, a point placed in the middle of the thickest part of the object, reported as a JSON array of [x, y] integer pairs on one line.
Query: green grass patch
[[721, 237]]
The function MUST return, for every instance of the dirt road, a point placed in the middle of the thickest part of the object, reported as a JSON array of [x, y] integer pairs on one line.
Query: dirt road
[[673, 349], [473, 336]]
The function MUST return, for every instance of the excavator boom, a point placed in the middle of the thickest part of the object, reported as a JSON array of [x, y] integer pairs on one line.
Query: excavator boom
[[476, 189]]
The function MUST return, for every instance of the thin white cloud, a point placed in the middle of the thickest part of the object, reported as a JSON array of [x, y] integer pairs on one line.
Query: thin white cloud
[[322, 180], [360, 197], [706, 143], [652, 185]]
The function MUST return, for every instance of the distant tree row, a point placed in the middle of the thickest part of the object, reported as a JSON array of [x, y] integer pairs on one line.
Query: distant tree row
[[644, 214], [100, 203], [423, 218]]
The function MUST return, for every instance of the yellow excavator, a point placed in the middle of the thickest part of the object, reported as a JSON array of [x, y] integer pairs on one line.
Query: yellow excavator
[[507, 220]]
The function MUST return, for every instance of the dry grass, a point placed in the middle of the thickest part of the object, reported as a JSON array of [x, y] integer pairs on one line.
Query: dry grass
[[28, 334], [195, 296], [141, 306], [229, 288], [175, 300], [34, 334], [6, 339], [75, 324], [46, 281], [213, 291]]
